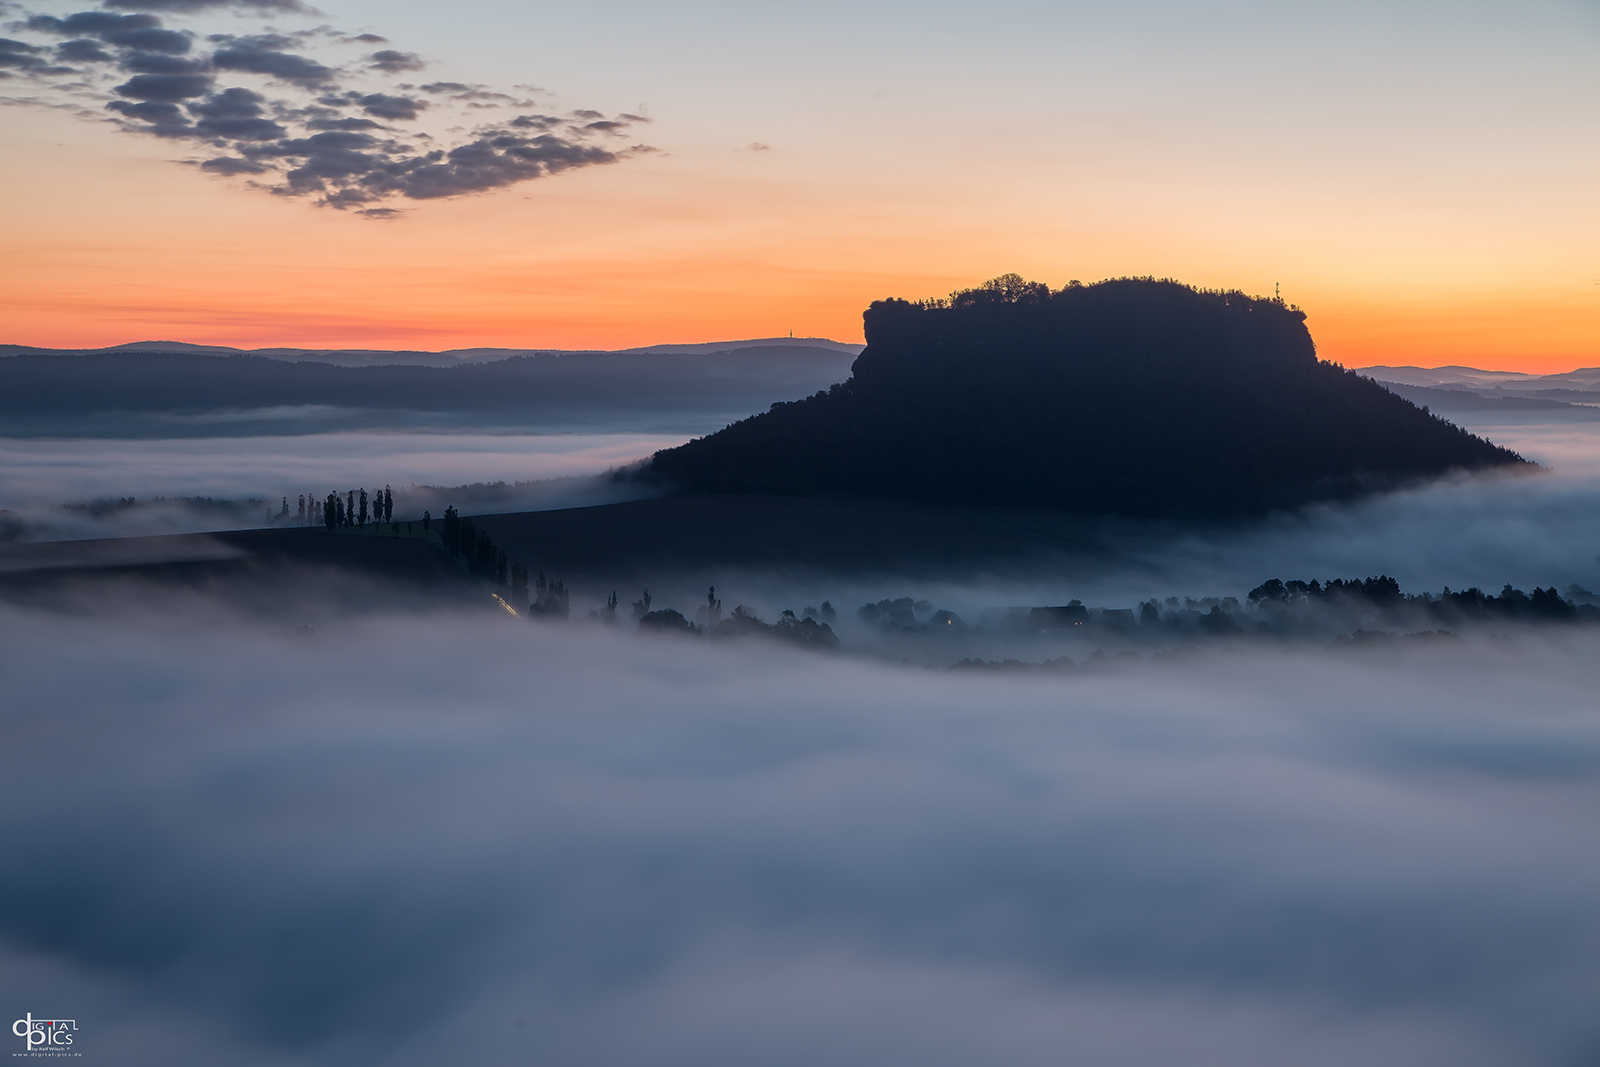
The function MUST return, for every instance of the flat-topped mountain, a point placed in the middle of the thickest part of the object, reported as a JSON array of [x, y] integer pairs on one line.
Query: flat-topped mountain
[[1132, 397]]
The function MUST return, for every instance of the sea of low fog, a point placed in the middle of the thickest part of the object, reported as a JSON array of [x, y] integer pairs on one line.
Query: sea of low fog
[[337, 822], [354, 831]]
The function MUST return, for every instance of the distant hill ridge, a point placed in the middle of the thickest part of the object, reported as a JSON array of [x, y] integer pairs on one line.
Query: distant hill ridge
[[1587, 378], [1130, 397], [363, 357], [1497, 396], [141, 393]]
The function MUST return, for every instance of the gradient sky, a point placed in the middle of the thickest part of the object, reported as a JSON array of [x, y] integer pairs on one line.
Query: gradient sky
[[1420, 178]]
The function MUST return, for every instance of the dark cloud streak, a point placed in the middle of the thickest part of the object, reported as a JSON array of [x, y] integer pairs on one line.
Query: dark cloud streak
[[20, 55], [392, 62], [142, 32], [384, 106], [165, 87], [186, 7], [264, 54]]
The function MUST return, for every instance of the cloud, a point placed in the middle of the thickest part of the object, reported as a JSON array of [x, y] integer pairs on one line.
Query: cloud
[[282, 126], [342, 123], [162, 63], [392, 62], [20, 54], [383, 106], [83, 50], [535, 122], [235, 115], [164, 87], [185, 7], [475, 95], [141, 32], [231, 166], [264, 54], [160, 118], [491, 162]]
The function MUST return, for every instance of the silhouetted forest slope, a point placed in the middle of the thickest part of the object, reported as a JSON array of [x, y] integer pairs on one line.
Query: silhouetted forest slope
[[260, 569], [1131, 397], [645, 538]]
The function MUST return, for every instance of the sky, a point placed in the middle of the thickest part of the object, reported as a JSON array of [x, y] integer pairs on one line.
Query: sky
[[1418, 177]]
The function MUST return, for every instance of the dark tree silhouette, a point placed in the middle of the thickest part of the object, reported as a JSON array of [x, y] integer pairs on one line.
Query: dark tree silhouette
[[483, 553], [388, 504], [363, 506], [427, 522], [551, 598], [807, 631], [710, 615], [519, 584], [667, 620]]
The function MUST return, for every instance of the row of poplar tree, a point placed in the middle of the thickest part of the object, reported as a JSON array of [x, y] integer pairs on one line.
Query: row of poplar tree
[[352, 508], [462, 539]]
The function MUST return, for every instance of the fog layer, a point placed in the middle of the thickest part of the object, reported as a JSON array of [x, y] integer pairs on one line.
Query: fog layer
[[56, 471], [456, 837], [60, 489]]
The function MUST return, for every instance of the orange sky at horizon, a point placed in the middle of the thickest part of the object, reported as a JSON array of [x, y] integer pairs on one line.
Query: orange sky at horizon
[[1403, 247]]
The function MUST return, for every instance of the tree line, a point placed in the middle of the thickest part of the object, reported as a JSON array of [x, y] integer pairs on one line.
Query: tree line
[[1383, 592], [464, 540], [354, 508]]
